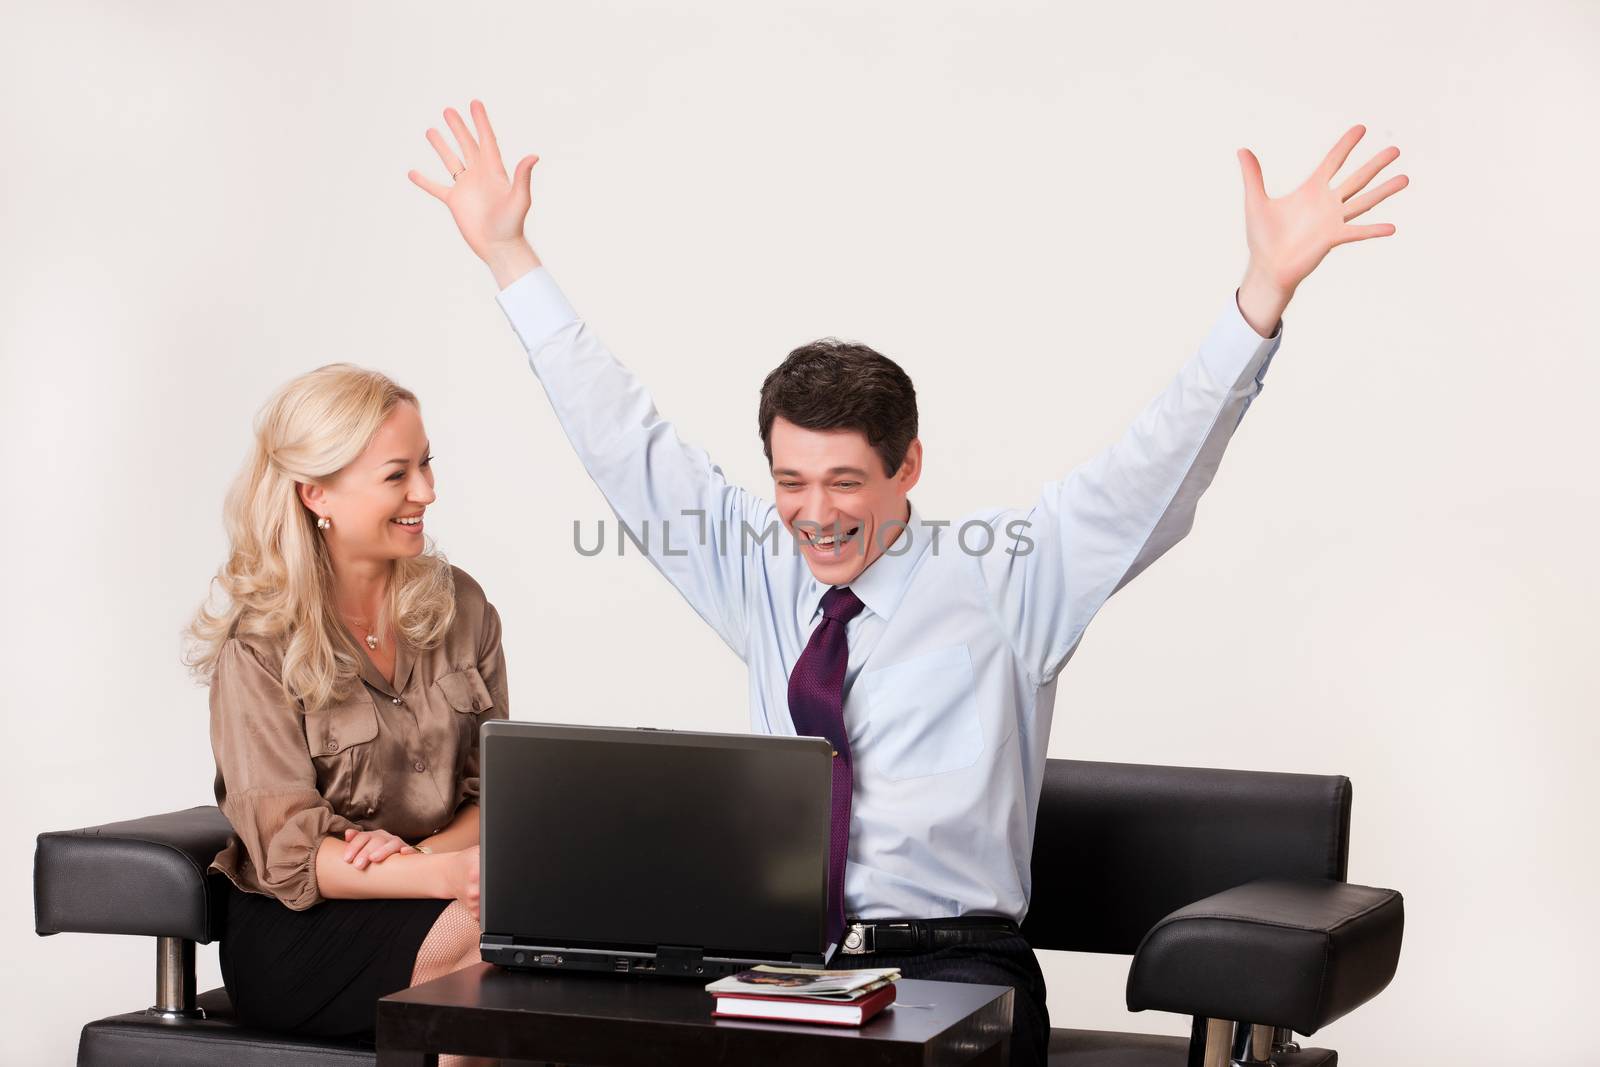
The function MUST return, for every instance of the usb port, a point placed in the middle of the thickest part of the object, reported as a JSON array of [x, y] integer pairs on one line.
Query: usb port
[[620, 964]]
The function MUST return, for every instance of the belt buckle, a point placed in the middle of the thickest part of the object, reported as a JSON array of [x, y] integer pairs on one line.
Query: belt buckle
[[859, 939]]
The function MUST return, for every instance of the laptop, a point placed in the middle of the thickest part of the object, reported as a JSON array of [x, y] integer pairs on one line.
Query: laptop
[[652, 852]]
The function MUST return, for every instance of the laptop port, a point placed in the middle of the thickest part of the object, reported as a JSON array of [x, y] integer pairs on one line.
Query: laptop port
[[620, 965], [548, 959]]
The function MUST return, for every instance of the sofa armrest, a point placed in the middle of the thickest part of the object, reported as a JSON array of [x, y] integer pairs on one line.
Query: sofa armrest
[[1296, 953], [145, 876]]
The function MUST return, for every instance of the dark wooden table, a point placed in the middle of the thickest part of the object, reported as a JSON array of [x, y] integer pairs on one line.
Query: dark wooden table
[[604, 1021]]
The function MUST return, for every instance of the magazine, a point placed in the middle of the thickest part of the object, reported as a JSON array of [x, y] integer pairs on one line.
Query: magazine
[[769, 981]]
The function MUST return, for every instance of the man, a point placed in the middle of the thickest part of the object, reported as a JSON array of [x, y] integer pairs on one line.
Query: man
[[927, 653]]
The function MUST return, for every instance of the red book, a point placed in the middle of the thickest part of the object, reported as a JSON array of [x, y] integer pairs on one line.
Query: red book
[[805, 1009]]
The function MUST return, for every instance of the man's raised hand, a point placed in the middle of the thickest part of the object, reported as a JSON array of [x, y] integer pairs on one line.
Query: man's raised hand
[[1288, 236], [489, 208]]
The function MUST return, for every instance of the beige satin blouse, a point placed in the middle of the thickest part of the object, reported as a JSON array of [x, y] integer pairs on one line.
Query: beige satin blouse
[[401, 757]]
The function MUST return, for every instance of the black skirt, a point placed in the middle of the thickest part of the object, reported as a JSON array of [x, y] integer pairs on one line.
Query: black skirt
[[320, 972]]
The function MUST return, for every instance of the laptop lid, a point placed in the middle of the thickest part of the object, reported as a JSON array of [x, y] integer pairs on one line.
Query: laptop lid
[[636, 839]]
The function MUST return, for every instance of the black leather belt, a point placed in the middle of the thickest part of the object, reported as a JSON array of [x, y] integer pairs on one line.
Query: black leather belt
[[922, 935]]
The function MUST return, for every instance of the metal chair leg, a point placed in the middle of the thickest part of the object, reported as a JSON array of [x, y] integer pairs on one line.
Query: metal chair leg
[[1210, 1042], [1221, 1043], [175, 980], [1252, 1046]]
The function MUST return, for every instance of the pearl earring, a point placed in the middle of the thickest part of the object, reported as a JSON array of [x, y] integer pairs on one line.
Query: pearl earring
[[323, 522]]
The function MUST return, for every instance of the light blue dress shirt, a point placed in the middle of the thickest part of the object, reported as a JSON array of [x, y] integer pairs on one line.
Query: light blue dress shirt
[[951, 683]]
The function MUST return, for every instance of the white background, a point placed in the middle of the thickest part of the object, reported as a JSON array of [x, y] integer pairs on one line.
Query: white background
[[1035, 209]]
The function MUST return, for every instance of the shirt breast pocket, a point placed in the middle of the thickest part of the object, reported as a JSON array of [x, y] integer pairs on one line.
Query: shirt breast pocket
[[922, 715], [469, 698], [465, 692], [340, 739]]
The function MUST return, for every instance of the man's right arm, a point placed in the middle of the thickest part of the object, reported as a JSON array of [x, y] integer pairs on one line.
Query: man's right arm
[[658, 486], [701, 532]]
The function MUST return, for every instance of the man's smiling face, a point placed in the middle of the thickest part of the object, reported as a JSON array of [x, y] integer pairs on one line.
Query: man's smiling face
[[834, 497]]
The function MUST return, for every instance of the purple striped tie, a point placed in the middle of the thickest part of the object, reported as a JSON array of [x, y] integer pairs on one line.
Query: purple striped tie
[[816, 704]]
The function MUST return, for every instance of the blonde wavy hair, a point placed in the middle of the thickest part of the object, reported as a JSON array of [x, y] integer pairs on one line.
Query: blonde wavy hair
[[278, 581]]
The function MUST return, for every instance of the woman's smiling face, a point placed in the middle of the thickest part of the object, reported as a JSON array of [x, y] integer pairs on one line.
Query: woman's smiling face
[[376, 501]]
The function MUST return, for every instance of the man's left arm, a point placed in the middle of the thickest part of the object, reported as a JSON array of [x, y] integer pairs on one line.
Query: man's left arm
[[1094, 531]]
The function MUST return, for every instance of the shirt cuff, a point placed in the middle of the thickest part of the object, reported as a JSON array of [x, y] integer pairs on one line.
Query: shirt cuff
[[1233, 352], [536, 307]]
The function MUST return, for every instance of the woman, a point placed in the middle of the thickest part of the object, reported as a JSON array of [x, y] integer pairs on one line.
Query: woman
[[349, 670]]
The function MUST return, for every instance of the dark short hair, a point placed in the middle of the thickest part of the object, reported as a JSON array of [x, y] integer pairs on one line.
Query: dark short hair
[[839, 385]]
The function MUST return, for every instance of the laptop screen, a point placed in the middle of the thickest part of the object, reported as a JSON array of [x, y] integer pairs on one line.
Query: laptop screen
[[618, 838]]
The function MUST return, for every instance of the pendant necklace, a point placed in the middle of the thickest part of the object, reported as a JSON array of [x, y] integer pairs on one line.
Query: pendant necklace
[[372, 638]]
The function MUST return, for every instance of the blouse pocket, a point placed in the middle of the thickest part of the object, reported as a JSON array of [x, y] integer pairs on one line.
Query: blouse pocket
[[923, 715], [464, 691], [340, 738]]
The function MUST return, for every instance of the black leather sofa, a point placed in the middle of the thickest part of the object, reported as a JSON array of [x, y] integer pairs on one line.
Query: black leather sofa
[[1226, 887]]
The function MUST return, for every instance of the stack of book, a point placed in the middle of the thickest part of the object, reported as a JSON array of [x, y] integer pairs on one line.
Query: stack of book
[[795, 994]]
